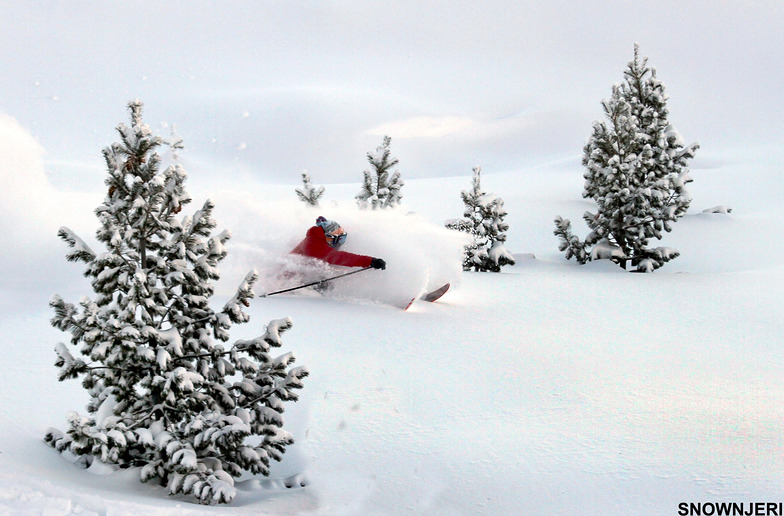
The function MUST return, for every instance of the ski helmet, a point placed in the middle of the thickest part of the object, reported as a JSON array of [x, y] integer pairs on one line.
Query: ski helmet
[[336, 236]]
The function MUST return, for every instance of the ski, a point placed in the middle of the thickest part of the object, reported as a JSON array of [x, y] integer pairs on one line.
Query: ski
[[436, 294], [430, 296]]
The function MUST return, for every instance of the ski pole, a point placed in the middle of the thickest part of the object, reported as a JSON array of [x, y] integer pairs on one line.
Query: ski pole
[[314, 283]]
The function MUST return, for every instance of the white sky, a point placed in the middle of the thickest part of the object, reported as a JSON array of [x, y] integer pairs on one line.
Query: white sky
[[269, 89]]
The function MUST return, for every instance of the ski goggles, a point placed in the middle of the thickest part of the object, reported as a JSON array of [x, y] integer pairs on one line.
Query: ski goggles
[[337, 237]]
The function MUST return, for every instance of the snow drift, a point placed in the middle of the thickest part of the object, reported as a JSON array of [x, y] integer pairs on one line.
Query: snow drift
[[549, 388]]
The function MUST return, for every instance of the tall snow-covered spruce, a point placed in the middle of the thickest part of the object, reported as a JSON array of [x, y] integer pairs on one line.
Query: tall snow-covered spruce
[[636, 171], [309, 194], [166, 395], [484, 221], [379, 189]]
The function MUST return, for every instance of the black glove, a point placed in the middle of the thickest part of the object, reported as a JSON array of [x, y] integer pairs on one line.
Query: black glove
[[378, 263]]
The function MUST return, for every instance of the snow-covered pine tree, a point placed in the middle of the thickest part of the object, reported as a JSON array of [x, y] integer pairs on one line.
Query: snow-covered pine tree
[[379, 189], [165, 394], [636, 171], [309, 194], [484, 220]]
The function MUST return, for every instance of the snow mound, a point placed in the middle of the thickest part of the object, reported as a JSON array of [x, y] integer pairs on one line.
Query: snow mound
[[718, 209]]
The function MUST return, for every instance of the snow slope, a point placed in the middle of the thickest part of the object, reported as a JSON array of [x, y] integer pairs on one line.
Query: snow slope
[[550, 388]]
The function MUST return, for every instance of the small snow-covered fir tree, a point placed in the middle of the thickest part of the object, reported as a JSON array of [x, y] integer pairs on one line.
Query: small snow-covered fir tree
[[309, 194], [379, 189], [636, 171], [165, 394], [484, 221]]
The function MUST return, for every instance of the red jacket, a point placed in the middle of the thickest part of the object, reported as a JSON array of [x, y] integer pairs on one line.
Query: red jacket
[[315, 245]]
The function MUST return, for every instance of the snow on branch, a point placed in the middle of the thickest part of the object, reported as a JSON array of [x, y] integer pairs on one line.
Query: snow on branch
[[80, 250]]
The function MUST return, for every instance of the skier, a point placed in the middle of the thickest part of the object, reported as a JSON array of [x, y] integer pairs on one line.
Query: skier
[[323, 242]]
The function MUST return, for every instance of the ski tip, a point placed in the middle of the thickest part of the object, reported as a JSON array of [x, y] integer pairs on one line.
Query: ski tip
[[436, 294], [430, 296]]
